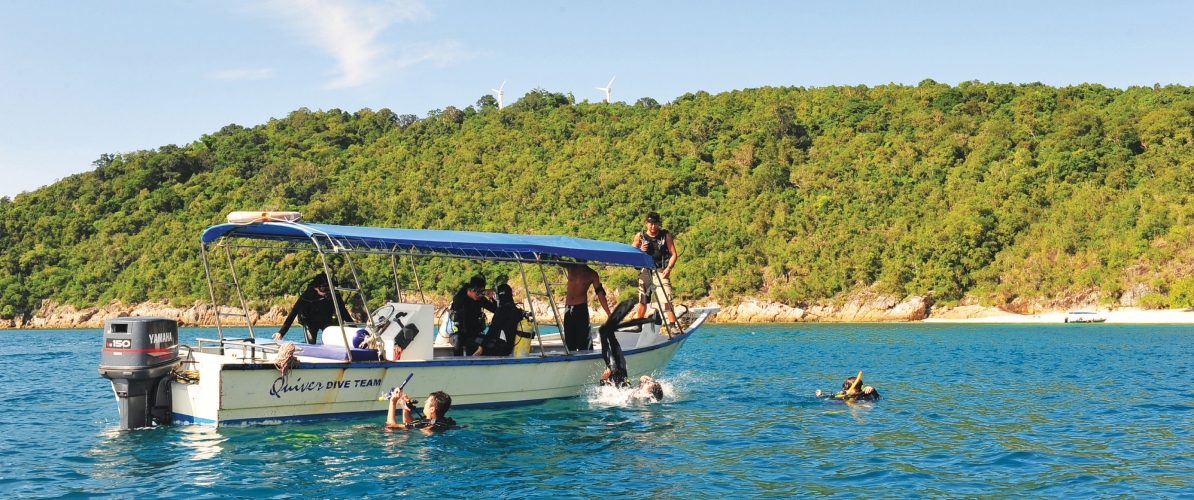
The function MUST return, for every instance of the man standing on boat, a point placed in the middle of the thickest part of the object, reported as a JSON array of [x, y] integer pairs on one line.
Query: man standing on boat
[[314, 310], [659, 244], [576, 312], [467, 316]]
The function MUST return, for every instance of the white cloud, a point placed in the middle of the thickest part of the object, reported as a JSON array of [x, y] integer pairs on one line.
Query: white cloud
[[241, 74], [350, 32], [441, 55]]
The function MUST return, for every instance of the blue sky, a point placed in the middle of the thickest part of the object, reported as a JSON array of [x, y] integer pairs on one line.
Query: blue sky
[[85, 78]]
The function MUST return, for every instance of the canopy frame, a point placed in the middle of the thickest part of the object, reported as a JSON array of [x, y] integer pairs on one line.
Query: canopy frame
[[325, 240]]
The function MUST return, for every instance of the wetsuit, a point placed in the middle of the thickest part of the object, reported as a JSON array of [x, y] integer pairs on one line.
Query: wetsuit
[[505, 324], [469, 320], [611, 350], [435, 424], [315, 312], [858, 396], [576, 327]]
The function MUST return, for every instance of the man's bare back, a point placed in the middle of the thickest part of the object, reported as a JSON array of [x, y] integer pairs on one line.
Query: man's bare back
[[580, 278]]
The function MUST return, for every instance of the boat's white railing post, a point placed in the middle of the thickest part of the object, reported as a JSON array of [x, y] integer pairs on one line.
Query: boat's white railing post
[[360, 291], [211, 289], [244, 307], [235, 283], [336, 306], [394, 268], [531, 305], [551, 301], [663, 301], [415, 272]]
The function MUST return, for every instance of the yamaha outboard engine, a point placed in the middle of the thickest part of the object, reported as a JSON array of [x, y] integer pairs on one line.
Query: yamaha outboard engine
[[139, 355]]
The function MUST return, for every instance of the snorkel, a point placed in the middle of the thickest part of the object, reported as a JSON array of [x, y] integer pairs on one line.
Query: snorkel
[[392, 392], [854, 387]]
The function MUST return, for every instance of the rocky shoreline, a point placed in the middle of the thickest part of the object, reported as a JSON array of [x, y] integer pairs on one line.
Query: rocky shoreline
[[859, 307]]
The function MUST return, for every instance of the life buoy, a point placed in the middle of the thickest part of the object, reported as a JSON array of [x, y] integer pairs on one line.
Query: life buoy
[[251, 217]]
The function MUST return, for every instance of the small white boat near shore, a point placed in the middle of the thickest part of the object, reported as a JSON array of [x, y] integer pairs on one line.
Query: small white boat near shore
[[1084, 317], [234, 381]]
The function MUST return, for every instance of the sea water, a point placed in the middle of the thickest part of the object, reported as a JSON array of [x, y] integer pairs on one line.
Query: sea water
[[967, 411]]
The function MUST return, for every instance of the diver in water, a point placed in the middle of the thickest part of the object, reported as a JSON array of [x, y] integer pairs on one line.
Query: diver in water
[[435, 410], [854, 390], [615, 363], [649, 388]]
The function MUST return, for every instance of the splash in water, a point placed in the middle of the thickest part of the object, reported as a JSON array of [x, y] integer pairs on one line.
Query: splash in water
[[608, 396]]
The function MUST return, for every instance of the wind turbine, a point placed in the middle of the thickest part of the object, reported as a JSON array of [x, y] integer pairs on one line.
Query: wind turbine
[[500, 93], [609, 86]]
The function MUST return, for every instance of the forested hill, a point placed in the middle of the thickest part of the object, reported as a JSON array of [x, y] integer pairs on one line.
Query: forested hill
[[990, 191]]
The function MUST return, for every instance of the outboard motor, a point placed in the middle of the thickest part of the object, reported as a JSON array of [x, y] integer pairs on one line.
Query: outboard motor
[[139, 355]]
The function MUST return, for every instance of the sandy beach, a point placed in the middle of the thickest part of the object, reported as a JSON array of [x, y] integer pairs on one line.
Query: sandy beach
[[1121, 315]]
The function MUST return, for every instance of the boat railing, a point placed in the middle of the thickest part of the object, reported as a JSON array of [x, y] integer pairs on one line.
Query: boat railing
[[248, 349], [234, 283]]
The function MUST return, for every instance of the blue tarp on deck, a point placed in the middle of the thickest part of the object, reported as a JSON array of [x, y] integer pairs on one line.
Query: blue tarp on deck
[[458, 243]]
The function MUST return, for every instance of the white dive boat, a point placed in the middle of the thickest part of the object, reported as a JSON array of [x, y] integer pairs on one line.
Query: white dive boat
[[1083, 317], [232, 381]]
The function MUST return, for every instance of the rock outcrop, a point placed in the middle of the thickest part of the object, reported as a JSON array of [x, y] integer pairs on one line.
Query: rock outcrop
[[54, 315], [859, 307], [967, 312]]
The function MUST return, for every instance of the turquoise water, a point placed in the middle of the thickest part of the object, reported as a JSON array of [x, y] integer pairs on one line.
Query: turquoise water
[[969, 411]]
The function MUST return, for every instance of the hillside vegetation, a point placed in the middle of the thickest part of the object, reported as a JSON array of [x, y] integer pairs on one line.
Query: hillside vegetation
[[998, 193]]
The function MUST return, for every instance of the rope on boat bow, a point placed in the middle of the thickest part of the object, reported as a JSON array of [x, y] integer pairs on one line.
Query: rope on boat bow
[[284, 361]]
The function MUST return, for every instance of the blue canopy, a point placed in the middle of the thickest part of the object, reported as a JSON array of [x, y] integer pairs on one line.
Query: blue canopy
[[470, 244]]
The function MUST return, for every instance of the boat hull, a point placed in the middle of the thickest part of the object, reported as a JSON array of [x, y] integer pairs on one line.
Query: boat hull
[[232, 393]]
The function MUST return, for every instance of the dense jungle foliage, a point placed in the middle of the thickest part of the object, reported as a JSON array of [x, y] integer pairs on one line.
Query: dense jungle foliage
[[996, 192]]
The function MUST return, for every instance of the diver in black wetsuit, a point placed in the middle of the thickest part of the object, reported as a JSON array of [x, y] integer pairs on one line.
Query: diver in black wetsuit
[[314, 310], [615, 363], [503, 329], [467, 316]]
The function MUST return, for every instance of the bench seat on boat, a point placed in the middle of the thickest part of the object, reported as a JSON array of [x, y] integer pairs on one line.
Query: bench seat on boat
[[334, 352]]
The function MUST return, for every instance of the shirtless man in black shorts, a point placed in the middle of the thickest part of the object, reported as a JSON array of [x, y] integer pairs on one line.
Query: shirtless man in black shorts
[[576, 314]]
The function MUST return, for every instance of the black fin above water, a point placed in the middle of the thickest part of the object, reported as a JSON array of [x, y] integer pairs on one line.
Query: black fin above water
[[617, 315], [611, 350]]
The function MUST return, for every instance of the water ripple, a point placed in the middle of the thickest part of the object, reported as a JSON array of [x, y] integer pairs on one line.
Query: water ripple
[[969, 411]]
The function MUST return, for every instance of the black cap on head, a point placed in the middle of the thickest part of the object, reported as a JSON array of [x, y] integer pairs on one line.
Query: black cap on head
[[653, 217], [318, 281], [477, 282]]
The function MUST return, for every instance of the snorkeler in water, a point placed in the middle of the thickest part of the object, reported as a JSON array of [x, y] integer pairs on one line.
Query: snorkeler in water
[[648, 388], [853, 389]]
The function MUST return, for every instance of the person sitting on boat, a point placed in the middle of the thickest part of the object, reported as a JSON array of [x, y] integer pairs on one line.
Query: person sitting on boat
[[434, 411], [661, 246], [314, 310], [854, 390], [467, 316], [576, 313], [503, 329]]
